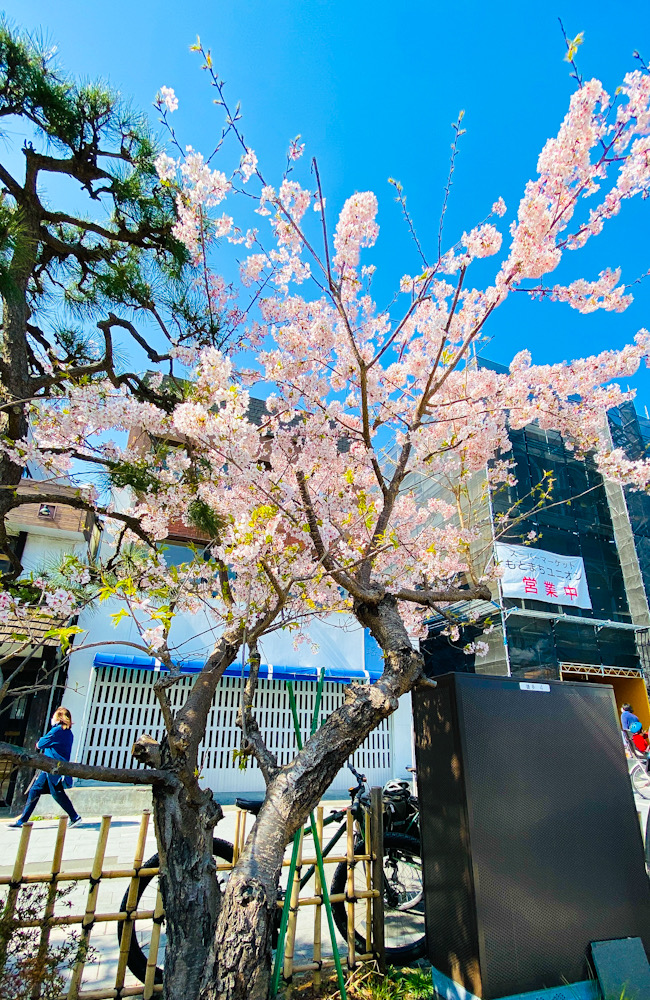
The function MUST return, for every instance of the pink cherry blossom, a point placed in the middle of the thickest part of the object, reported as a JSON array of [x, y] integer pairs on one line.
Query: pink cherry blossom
[[248, 165], [168, 98]]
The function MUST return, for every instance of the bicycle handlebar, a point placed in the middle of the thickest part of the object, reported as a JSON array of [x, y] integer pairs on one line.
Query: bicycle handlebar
[[361, 778]]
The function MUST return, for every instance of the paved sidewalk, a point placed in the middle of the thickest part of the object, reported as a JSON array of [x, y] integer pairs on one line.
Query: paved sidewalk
[[78, 855]]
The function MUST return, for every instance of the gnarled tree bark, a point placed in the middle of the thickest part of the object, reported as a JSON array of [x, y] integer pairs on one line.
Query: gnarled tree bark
[[240, 962]]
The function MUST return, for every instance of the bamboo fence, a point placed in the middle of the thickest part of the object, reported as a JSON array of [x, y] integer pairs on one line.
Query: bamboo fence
[[87, 922]]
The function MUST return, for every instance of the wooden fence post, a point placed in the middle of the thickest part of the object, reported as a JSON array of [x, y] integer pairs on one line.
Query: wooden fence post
[[91, 905], [6, 928], [131, 902], [318, 911], [349, 893], [152, 957], [50, 902], [294, 890]]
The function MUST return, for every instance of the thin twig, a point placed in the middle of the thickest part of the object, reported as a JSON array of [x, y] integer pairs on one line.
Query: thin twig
[[452, 163], [401, 200]]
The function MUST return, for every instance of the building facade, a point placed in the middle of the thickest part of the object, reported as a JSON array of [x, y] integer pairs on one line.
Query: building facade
[[605, 530], [41, 535]]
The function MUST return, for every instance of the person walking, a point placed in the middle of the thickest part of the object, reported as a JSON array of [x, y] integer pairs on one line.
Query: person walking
[[57, 744]]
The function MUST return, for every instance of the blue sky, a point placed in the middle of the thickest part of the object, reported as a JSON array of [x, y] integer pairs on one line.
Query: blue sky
[[373, 88]]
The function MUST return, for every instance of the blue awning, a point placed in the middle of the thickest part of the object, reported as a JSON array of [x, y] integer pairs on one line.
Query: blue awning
[[267, 671]]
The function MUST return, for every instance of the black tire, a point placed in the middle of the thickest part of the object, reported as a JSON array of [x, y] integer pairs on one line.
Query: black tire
[[403, 900], [141, 932], [640, 780]]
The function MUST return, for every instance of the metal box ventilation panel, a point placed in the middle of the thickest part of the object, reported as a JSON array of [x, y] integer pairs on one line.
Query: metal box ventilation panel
[[531, 844]]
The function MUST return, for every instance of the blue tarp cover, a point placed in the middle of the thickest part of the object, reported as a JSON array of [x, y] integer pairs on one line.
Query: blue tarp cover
[[267, 671]]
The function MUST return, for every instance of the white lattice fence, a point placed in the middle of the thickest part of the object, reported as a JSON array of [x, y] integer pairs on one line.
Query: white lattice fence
[[123, 706]]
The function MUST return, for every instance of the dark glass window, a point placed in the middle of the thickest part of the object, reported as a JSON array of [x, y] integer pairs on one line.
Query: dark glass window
[[531, 648], [618, 647], [17, 545], [576, 643]]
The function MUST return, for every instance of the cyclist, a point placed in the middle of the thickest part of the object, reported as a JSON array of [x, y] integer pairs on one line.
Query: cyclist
[[627, 717], [638, 737]]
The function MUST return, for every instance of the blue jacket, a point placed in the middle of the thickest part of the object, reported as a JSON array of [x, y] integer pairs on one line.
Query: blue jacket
[[57, 744], [626, 719]]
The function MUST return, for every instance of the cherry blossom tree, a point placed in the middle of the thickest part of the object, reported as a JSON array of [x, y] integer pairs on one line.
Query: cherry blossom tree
[[317, 510]]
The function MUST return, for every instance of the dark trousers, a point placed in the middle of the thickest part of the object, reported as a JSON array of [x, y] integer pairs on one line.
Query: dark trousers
[[57, 792]]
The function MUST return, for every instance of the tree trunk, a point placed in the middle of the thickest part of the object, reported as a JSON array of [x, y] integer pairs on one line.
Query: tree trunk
[[240, 963], [185, 820], [240, 966]]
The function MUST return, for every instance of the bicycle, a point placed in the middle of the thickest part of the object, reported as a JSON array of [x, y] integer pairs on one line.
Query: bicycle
[[402, 882], [638, 768]]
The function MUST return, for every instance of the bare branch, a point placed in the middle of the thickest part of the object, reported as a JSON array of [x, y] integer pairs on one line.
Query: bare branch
[[454, 152], [123, 775], [252, 739], [429, 598]]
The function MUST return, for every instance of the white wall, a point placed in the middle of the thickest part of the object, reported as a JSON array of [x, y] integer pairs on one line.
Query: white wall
[[339, 642], [46, 551]]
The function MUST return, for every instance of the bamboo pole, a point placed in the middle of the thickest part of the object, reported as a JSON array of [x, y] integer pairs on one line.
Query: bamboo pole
[[100, 918], [367, 867], [50, 901], [319, 853], [318, 891], [235, 846], [350, 890], [329, 963], [9, 908], [131, 901], [91, 905], [336, 897], [242, 833], [112, 994], [152, 957], [294, 890], [282, 934], [84, 876], [377, 836]]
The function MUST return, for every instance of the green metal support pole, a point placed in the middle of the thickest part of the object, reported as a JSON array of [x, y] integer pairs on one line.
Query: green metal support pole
[[282, 935], [314, 831], [286, 909]]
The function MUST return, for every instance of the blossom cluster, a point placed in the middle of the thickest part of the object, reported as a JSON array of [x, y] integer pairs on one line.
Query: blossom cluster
[[378, 421]]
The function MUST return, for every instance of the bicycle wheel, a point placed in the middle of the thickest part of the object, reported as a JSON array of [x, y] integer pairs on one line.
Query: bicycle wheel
[[640, 780], [403, 900], [147, 892]]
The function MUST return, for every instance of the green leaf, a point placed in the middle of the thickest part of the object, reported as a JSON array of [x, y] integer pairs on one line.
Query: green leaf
[[572, 46], [64, 635]]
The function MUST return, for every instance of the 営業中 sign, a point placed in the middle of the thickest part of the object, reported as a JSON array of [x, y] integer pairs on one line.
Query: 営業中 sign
[[542, 576]]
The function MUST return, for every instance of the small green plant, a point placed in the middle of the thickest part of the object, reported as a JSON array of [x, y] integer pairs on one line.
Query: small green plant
[[367, 983], [395, 984], [31, 965]]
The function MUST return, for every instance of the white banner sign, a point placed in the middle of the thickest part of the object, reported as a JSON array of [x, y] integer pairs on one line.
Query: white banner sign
[[542, 576]]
